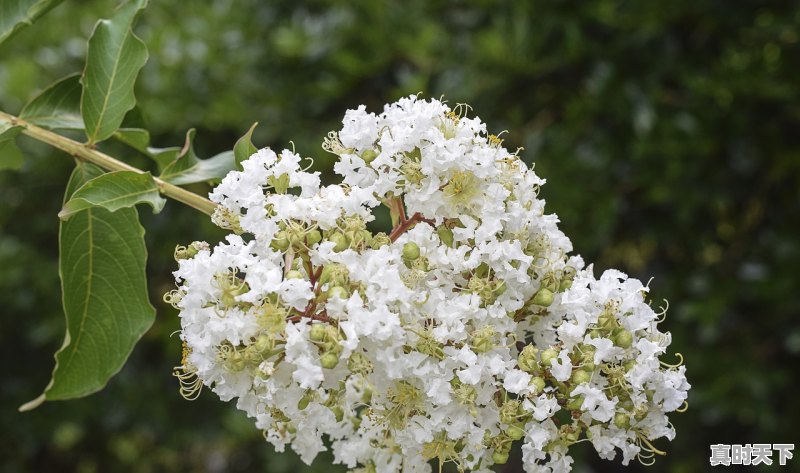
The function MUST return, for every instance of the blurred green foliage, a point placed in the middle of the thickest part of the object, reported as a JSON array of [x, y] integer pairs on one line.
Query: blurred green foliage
[[668, 132]]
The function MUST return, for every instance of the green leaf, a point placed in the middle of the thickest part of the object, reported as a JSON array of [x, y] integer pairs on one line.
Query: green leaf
[[114, 191], [10, 155], [113, 61], [187, 168], [244, 147], [136, 138], [57, 107], [133, 132], [18, 14], [102, 267]]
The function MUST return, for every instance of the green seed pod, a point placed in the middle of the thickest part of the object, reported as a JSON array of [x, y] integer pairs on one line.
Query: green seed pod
[[369, 155], [410, 251], [623, 338], [543, 297], [445, 236], [339, 241], [329, 360], [338, 291], [499, 457], [622, 420], [294, 274], [317, 332]]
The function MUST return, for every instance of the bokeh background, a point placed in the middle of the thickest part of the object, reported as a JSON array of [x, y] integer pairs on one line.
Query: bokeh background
[[669, 133]]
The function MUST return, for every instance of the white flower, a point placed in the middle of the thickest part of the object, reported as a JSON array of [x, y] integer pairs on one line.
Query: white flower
[[462, 329]]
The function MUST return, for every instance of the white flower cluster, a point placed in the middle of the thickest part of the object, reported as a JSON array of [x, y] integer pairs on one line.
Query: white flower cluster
[[464, 329]]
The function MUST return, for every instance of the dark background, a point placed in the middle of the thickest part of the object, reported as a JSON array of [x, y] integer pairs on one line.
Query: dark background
[[669, 133]]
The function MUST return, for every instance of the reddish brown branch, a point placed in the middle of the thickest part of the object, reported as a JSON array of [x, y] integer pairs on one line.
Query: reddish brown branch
[[405, 224]]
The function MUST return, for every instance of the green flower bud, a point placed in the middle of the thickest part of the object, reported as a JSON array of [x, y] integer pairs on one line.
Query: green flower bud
[[317, 332], [527, 359], [263, 344], [499, 457], [339, 241], [410, 251], [280, 242], [622, 420], [313, 237], [294, 274], [338, 291], [329, 360], [581, 376], [549, 355], [564, 285], [369, 155], [537, 384], [622, 338], [509, 411], [543, 297], [380, 239], [482, 340], [445, 236], [515, 432]]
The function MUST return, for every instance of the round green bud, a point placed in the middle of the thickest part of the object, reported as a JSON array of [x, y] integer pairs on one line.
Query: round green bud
[[317, 332], [294, 274], [329, 360], [549, 355], [537, 384], [622, 420], [410, 251], [564, 285], [581, 376], [623, 338], [339, 242], [543, 297], [515, 432], [337, 291], [445, 236], [628, 365], [313, 237], [499, 457], [369, 155], [280, 242]]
